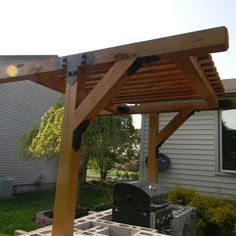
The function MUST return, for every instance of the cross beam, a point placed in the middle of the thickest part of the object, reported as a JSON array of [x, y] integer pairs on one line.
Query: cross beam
[[194, 43], [159, 107], [17, 68]]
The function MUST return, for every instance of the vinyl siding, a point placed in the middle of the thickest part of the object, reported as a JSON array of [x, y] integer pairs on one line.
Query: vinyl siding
[[21, 105], [194, 153]]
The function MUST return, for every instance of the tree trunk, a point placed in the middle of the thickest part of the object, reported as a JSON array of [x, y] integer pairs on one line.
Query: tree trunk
[[103, 175], [82, 174]]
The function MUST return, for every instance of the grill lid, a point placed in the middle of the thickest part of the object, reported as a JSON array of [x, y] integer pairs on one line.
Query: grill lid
[[138, 194]]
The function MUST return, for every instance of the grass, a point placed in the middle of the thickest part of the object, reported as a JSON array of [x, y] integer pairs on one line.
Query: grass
[[18, 212]]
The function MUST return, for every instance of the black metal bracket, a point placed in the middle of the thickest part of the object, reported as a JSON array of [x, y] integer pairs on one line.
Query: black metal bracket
[[139, 62], [72, 62], [157, 151], [225, 104], [77, 134], [124, 109]]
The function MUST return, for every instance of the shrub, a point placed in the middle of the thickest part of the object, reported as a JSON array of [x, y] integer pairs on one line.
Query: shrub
[[216, 215], [182, 196]]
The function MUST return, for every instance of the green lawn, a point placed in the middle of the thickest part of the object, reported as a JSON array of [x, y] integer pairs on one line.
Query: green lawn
[[19, 211]]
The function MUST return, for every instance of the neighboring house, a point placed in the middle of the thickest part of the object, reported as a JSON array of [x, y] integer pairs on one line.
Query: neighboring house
[[195, 152], [21, 105]]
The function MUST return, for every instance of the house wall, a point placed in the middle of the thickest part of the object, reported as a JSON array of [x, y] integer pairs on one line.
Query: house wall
[[21, 105], [194, 153]]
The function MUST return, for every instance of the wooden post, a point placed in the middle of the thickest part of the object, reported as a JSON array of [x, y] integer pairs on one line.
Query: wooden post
[[67, 173], [152, 160]]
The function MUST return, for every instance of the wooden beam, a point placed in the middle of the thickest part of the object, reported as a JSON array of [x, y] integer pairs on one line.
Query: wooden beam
[[192, 69], [152, 139], [194, 43], [67, 173], [164, 107], [172, 126], [51, 80], [165, 98], [17, 68], [102, 93], [171, 107]]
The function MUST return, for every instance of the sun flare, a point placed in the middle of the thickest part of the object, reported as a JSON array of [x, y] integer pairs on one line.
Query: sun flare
[[11, 70]]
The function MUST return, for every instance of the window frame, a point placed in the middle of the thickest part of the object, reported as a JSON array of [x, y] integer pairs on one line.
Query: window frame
[[221, 146]]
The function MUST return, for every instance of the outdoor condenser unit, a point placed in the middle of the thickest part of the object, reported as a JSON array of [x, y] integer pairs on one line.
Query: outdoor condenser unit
[[6, 186]]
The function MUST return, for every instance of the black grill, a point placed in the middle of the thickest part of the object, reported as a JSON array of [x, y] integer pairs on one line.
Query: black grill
[[140, 203]]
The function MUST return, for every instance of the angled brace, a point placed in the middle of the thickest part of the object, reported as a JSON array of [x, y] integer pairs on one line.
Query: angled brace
[[72, 62], [186, 117]]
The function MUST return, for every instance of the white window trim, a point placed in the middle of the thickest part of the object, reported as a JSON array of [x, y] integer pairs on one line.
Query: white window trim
[[221, 148]]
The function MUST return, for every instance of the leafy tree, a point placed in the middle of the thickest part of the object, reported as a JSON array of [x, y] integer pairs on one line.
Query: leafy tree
[[108, 140], [43, 140], [113, 140]]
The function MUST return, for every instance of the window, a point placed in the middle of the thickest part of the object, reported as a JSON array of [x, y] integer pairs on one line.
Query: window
[[228, 141]]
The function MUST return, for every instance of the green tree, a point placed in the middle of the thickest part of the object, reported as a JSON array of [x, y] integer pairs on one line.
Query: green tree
[[113, 140], [107, 140]]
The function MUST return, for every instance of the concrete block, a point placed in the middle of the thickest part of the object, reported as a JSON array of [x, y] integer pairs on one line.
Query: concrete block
[[98, 224]]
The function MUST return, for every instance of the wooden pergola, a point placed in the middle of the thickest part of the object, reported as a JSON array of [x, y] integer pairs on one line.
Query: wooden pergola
[[172, 74]]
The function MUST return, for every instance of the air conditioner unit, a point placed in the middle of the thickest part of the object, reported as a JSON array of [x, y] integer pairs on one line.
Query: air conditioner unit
[[6, 186]]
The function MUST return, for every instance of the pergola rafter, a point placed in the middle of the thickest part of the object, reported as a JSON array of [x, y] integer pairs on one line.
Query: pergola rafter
[[195, 74], [172, 74]]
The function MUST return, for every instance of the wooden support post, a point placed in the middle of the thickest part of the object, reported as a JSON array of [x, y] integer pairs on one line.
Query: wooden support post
[[68, 166], [152, 160], [67, 173]]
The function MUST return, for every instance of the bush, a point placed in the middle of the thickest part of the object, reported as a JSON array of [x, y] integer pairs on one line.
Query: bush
[[216, 215], [182, 196]]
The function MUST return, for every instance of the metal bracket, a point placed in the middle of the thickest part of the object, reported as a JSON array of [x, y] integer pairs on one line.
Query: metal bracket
[[139, 62], [77, 134], [123, 109], [72, 62], [225, 104]]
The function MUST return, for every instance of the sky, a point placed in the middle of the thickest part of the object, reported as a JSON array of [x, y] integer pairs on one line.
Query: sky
[[73, 26]]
